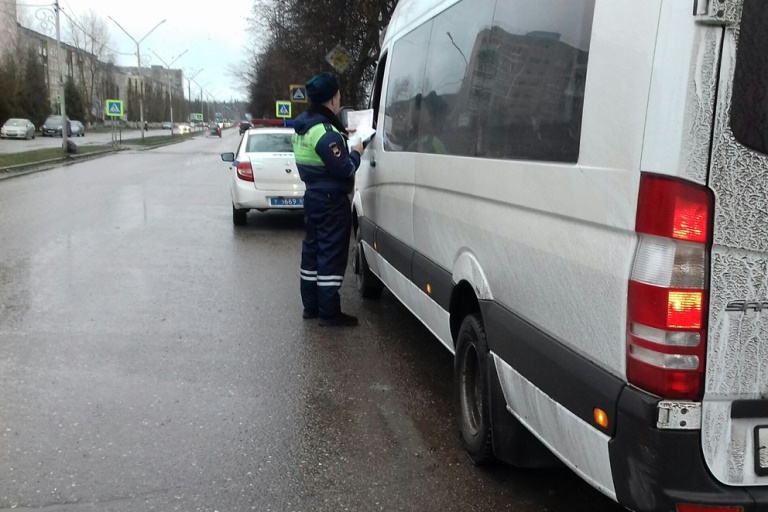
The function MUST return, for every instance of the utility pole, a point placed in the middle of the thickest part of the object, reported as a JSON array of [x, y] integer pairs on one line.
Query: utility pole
[[138, 58], [62, 81], [170, 93]]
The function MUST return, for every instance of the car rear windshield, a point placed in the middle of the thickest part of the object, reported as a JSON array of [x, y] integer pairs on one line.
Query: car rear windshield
[[749, 110], [270, 143]]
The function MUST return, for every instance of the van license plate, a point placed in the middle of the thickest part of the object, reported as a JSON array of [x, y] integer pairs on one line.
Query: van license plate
[[761, 450], [286, 201]]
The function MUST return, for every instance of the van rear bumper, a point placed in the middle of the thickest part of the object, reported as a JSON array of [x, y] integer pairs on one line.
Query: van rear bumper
[[655, 470]]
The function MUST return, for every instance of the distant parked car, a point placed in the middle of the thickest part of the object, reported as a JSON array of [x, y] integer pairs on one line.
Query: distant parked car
[[17, 129], [78, 129], [53, 125], [167, 125]]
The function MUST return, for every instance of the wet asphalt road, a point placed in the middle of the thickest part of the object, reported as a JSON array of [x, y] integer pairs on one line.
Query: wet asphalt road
[[154, 358]]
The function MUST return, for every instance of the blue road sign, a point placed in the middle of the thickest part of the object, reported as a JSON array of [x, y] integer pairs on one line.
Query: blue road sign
[[114, 108], [298, 94], [283, 109]]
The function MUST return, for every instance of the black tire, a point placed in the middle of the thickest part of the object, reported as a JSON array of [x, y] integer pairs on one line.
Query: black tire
[[471, 367], [239, 217], [368, 285]]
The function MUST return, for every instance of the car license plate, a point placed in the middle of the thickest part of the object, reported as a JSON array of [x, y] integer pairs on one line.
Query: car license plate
[[761, 450], [286, 201]]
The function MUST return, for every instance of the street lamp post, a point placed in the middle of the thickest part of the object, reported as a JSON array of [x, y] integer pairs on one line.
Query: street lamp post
[[138, 58], [170, 93], [202, 107], [46, 16], [211, 99], [190, 79]]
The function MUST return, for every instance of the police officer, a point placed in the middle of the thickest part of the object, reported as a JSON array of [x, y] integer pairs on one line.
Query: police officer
[[327, 167]]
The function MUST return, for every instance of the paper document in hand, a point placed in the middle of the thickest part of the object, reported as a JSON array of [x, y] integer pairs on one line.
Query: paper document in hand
[[360, 123], [361, 134]]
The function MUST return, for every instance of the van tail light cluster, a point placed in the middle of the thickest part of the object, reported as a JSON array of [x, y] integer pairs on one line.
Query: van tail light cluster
[[668, 290], [245, 171], [708, 508]]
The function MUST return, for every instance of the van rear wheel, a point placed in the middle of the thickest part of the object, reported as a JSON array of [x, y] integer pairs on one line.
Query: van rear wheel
[[368, 285], [473, 390]]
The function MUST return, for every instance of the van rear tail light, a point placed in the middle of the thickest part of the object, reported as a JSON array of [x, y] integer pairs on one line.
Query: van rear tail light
[[708, 508], [245, 171], [668, 297]]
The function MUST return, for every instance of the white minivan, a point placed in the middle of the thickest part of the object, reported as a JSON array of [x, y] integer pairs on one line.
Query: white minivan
[[572, 196]]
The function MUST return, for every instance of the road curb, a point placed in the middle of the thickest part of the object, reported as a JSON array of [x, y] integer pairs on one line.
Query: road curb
[[138, 147], [45, 165]]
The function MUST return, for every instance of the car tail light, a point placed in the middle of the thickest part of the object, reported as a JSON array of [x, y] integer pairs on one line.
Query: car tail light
[[668, 292], [245, 171]]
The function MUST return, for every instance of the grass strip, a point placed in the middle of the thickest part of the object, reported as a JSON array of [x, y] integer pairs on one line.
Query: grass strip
[[157, 139], [40, 155]]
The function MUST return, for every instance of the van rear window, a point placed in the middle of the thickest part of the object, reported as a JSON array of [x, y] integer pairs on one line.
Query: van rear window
[[749, 108]]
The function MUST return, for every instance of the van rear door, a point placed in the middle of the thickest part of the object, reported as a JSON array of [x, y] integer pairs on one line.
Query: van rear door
[[735, 405]]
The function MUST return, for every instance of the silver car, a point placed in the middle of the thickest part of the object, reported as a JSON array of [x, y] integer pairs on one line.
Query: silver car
[[78, 128], [17, 129]]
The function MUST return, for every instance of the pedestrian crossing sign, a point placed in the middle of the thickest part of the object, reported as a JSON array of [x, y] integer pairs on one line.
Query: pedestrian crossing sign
[[298, 94], [283, 109], [115, 108]]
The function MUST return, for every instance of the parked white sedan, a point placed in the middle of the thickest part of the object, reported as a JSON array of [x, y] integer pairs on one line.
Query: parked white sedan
[[17, 129], [264, 174]]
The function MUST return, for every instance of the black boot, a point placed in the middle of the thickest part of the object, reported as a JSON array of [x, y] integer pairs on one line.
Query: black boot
[[340, 320]]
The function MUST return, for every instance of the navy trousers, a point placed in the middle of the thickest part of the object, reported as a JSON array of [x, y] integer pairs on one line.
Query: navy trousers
[[324, 252]]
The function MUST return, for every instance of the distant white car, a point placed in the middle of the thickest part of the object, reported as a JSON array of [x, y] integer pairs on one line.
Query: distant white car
[[17, 129], [184, 128], [264, 174], [166, 125]]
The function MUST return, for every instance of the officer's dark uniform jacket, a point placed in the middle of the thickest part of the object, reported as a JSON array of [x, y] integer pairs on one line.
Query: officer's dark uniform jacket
[[324, 162], [327, 168]]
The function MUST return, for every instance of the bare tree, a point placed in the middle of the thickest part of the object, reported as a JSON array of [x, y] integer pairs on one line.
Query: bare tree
[[294, 36], [90, 35]]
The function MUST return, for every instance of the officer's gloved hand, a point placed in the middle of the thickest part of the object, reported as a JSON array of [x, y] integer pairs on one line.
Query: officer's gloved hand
[[359, 147]]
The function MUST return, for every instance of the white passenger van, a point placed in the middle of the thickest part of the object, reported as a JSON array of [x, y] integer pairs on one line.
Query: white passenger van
[[572, 196]]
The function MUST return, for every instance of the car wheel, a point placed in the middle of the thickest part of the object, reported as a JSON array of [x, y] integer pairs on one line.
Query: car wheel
[[471, 367], [239, 217], [368, 285]]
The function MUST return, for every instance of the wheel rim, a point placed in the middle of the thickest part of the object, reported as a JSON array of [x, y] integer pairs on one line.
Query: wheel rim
[[471, 393]]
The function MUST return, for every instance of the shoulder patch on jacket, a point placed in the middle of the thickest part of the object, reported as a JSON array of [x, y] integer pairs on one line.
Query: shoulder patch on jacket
[[334, 147]]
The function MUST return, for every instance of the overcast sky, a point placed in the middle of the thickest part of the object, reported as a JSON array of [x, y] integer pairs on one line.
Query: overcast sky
[[215, 33]]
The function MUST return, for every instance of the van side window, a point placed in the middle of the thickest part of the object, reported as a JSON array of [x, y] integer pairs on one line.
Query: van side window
[[534, 67], [406, 79], [451, 110], [749, 107]]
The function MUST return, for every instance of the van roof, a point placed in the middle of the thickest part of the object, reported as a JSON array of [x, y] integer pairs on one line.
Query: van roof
[[409, 14]]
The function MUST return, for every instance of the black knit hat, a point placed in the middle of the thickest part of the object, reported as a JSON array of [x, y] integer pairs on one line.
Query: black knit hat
[[321, 88]]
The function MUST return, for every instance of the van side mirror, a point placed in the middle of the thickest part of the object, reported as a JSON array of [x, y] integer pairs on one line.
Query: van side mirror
[[228, 157]]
